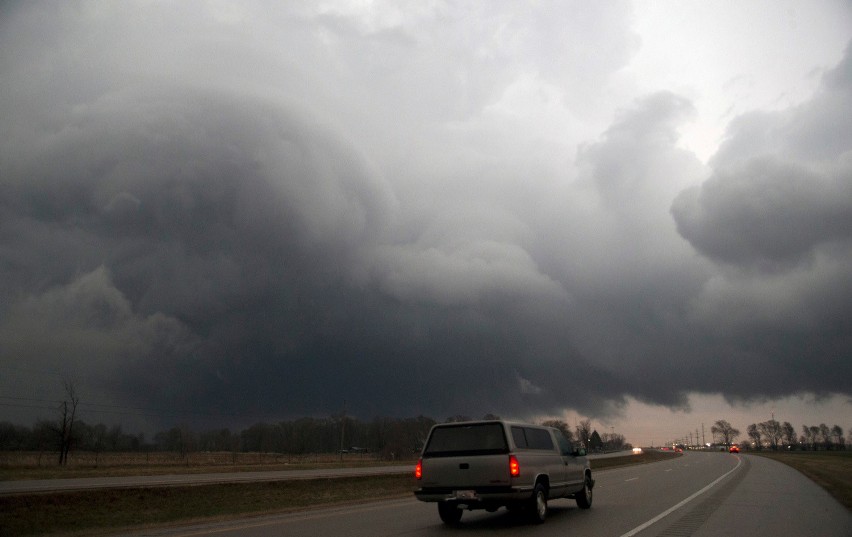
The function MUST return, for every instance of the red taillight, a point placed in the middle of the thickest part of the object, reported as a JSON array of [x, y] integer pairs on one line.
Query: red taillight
[[418, 470], [514, 467]]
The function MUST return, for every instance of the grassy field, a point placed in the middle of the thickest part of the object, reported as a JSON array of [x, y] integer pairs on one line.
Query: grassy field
[[34, 465], [832, 470], [102, 511]]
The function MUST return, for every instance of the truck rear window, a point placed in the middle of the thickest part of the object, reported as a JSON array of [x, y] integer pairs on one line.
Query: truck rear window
[[477, 439]]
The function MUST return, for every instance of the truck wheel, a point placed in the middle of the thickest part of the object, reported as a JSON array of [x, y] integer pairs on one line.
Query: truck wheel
[[538, 504], [584, 497], [449, 513]]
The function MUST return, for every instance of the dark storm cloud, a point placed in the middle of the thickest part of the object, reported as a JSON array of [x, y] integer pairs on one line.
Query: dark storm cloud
[[87, 328], [767, 210], [271, 214], [777, 213], [255, 238], [186, 185], [221, 210]]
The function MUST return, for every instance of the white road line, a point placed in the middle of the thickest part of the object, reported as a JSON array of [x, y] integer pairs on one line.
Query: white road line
[[674, 508], [631, 479]]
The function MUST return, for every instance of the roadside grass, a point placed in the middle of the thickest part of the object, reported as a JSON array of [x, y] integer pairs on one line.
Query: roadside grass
[[100, 511], [57, 472], [33, 465], [832, 470]]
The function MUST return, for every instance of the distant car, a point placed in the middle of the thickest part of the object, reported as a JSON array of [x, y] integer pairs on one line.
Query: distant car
[[734, 449]]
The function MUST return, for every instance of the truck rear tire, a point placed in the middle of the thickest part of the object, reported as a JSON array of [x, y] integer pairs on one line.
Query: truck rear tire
[[449, 513], [538, 504]]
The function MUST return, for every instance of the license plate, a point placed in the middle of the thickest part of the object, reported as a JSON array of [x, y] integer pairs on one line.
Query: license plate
[[465, 494]]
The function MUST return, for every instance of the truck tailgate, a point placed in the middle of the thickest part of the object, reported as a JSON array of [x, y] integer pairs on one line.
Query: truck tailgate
[[466, 472]]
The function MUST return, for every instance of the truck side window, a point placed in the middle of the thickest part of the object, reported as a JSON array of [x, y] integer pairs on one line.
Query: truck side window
[[565, 446], [538, 439]]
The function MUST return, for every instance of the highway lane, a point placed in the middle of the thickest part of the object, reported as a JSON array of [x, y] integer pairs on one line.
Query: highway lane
[[699, 494]]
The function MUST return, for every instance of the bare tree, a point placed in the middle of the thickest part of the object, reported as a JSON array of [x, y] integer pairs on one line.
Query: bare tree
[[825, 433], [815, 436], [837, 433], [788, 433], [614, 441], [771, 430], [754, 434], [806, 437], [68, 412], [98, 440], [584, 432], [725, 432], [562, 426]]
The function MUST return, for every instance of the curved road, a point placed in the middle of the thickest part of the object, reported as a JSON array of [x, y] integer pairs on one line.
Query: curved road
[[698, 495]]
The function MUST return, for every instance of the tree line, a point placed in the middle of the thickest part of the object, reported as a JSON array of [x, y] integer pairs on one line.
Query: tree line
[[775, 435], [387, 438], [383, 437]]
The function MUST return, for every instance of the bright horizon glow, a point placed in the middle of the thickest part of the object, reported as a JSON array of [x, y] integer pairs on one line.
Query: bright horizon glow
[[721, 69], [646, 425]]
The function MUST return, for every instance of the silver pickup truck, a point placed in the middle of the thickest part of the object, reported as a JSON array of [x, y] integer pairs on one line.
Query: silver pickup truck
[[491, 464]]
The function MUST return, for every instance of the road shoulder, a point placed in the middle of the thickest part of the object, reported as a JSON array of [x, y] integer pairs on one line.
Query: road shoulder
[[770, 499]]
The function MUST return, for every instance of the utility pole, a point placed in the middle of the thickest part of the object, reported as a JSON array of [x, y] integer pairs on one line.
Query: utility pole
[[703, 439]]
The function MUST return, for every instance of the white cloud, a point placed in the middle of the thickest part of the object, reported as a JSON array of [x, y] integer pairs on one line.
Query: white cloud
[[527, 387]]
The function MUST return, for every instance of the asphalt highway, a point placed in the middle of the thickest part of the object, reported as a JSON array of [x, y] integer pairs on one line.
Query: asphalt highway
[[697, 495]]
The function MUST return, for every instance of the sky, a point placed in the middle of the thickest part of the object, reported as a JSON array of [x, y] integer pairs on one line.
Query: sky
[[219, 213]]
